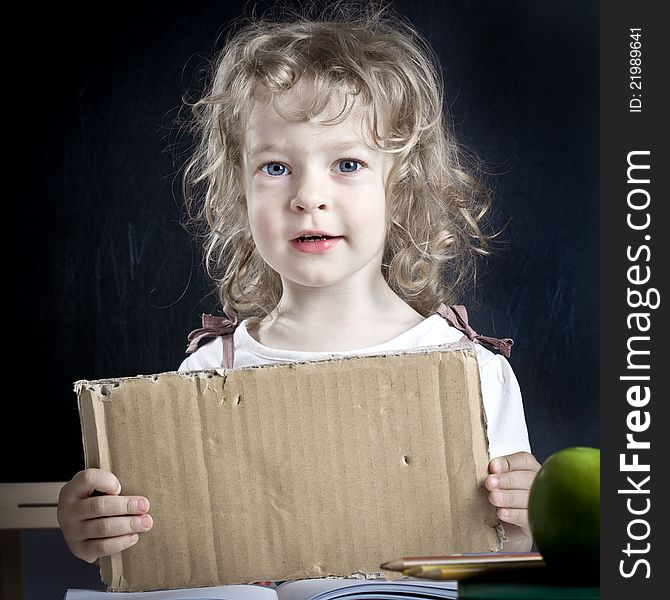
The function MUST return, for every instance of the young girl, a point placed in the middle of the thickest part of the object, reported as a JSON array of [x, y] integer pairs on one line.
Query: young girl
[[340, 220]]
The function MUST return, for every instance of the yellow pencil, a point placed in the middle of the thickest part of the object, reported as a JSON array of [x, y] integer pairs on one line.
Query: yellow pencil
[[516, 559], [443, 571], [461, 571]]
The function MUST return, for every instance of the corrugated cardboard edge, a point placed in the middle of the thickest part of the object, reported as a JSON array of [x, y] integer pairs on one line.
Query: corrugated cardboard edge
[[104, 385], [98, 456]]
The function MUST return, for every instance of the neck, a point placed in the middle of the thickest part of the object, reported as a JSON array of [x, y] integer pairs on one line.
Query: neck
[[360, 313], [325, 308]]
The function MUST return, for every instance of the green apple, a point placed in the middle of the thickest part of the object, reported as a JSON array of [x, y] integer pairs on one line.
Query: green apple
[[564, 513]]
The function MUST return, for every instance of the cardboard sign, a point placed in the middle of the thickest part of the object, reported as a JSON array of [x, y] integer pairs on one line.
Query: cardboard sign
[[295, 470]]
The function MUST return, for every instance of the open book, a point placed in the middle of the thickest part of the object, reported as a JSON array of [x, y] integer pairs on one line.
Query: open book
[[302, 589]]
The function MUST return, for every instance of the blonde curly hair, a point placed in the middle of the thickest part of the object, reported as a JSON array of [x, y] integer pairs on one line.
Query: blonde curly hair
[[435, 206]]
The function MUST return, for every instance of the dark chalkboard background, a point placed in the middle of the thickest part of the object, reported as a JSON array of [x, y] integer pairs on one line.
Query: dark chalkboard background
[[104, 281]]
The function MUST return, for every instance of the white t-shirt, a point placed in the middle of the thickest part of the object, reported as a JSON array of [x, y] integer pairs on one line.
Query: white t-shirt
[[506, 423]]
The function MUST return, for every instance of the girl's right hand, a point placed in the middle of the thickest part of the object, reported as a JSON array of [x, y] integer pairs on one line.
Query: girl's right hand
[[100, 525]]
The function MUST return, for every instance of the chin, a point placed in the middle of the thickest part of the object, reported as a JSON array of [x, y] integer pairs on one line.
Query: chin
[[318, 279], [316, 282]]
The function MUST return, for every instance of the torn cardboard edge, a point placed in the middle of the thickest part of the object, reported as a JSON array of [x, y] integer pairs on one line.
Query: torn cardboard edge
[[391, 446], [112, 382]]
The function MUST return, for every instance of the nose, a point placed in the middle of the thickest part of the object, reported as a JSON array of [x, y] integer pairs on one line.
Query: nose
[[310, 195]]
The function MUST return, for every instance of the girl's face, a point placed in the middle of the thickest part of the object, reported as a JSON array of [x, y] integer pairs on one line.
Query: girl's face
[[306, 179]]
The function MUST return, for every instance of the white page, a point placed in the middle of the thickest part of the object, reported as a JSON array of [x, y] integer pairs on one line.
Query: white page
[[331, 588], [224, 592]]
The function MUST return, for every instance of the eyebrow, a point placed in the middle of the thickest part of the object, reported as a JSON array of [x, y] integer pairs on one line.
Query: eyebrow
[[279, 148]]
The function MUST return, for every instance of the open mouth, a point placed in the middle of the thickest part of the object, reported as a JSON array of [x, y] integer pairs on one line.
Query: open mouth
[[315, 243], [312, 238]]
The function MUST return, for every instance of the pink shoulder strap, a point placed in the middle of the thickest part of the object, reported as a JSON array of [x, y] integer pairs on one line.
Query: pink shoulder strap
[[457, 317], [213, 326]]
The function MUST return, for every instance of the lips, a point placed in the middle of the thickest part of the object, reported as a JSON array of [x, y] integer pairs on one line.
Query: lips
[[313, 235], [315, 242]]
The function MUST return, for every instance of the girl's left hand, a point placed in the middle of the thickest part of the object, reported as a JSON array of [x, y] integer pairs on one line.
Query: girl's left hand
[[509, 484]]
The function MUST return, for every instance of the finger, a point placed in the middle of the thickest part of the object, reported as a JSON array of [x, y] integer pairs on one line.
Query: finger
[[515, 480], [509, 498], [110, 506], [514, 516], [519, 461], [111, 527], [90, 551], [84, 483]]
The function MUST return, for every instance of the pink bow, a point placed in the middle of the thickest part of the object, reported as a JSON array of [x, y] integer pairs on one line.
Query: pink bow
[[212, 326], [457, 316]]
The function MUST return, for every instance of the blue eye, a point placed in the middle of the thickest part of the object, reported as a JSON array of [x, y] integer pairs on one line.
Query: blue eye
[[348, 165], [274, 168]]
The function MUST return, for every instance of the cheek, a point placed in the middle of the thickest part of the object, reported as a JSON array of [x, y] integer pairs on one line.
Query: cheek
[[368, 215], [257, 221], [262, 224]]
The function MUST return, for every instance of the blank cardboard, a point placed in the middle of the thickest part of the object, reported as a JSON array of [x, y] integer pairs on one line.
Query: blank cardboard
[[295, 470]]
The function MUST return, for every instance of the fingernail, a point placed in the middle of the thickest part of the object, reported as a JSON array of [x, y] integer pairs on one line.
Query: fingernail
[[503, 512], [142, 505], [145, 521], [495, 466], [494, 481]]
